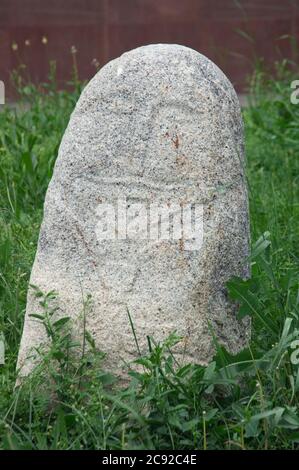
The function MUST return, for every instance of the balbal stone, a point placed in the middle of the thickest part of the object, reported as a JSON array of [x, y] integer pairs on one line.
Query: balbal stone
[[147, 210]]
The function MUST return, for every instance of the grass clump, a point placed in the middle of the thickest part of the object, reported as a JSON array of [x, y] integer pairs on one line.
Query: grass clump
[[247, 401]]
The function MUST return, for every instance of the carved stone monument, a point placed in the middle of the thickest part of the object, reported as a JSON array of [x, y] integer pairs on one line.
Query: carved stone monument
[[147, 210]]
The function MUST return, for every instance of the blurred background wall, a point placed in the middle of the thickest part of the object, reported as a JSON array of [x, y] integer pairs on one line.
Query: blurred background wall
[[233, 33]]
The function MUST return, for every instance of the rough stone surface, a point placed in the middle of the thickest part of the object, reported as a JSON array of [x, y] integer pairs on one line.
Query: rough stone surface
[[161, 122]]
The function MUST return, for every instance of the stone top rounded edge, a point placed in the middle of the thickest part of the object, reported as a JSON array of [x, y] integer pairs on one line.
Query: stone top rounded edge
[[175, 51], [169, 54]]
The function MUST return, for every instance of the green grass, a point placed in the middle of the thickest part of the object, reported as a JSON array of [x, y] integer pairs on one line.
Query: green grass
[[249, 401]]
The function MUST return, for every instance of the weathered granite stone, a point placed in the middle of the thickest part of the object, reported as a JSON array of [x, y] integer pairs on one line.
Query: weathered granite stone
[[160, 124]]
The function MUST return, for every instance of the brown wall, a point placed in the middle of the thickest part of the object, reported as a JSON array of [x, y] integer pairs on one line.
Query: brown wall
[[103, 29]]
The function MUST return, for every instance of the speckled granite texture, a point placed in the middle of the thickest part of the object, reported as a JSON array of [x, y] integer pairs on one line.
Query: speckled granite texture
[[160, 123]]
